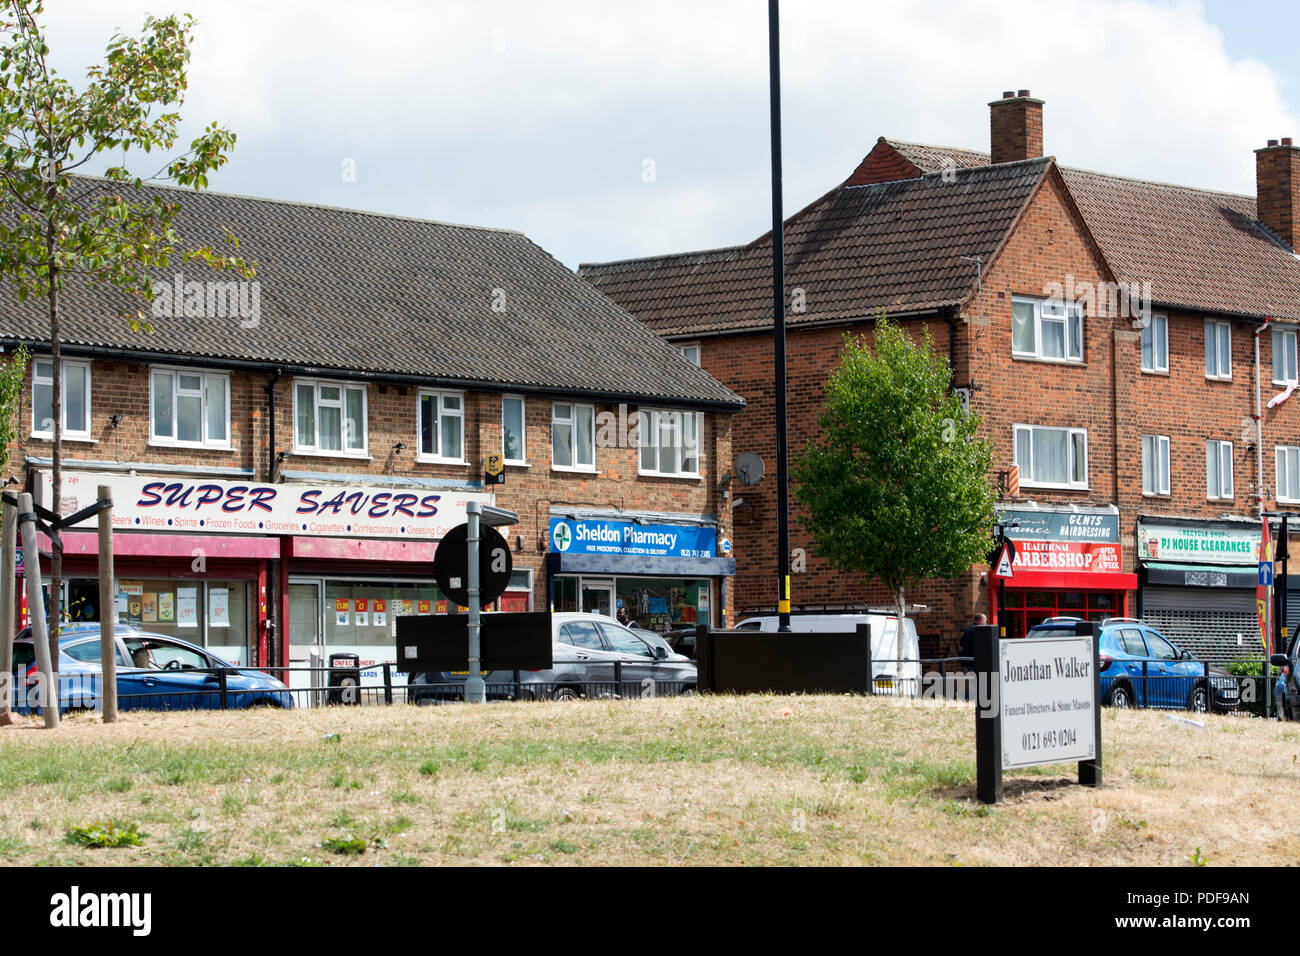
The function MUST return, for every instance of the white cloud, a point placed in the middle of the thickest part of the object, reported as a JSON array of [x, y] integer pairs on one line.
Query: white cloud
[[538, 116]]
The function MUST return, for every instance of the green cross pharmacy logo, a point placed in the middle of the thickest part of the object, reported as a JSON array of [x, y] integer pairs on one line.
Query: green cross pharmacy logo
[[562, 536]]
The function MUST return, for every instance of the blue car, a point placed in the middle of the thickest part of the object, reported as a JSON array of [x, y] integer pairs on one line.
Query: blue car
[[1140, 667], [1287, 689], [154, 672]]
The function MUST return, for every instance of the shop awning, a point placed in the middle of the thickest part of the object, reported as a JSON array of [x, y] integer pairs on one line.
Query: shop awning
[[126, 543], [1201, 575], [622, 564], [1074, 580]]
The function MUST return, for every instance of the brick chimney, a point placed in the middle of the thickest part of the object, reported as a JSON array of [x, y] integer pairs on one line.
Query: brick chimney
[[1277, 189], [1016, 127]]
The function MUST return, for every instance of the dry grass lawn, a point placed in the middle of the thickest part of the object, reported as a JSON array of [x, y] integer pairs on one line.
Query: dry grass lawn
[[705, 780]]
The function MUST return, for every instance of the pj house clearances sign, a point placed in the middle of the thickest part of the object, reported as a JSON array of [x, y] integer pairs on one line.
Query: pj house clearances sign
[[207, 506], [1064, 540]]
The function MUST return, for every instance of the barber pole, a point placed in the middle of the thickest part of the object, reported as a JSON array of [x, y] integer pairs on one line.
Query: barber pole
[[1013, 481]]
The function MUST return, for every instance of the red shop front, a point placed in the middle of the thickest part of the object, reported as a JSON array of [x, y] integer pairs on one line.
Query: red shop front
[[210, 590], [1068, 563]]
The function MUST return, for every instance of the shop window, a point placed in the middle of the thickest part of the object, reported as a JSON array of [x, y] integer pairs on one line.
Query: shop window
[[663, 604], [76, 399], [1052, 457], [361, 615], [329, 418], [670, 442], [189, 408], [573, 437], [565, 595], [514, 439], [212, 614], [442, 427]]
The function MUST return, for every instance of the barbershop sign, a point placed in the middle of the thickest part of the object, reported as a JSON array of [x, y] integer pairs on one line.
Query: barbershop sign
[[1064, 540], [207, 506]]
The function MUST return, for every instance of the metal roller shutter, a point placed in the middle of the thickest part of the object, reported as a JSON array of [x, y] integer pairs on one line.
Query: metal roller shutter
[[1205, 622]]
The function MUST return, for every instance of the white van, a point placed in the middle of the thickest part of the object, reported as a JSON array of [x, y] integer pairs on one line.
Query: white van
[[903, 678]]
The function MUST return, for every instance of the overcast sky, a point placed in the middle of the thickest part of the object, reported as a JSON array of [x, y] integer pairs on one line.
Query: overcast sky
[[549, 117]]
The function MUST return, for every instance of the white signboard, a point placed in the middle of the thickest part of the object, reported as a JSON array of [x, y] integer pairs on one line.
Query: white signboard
[[1048, 700], [208, 506]]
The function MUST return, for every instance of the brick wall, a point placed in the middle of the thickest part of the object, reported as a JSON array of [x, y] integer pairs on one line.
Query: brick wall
[[122, 387]]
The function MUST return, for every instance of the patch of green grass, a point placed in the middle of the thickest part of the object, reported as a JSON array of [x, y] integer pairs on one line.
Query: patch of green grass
[[1196, 859], [192, 840], [118, 784], [400, 823], [11, 846], [405, 796], [343, 818], [347, 846], [253, 860], [429, 768], [563, 846], [109, 833], [955, 808]]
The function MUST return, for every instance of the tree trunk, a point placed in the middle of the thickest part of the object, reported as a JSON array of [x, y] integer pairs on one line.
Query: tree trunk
[[902, 621], [55, 617]]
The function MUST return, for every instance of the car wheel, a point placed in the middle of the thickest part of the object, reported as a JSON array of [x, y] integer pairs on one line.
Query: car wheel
[[1199, 700], [566, 693], [1120, 696]]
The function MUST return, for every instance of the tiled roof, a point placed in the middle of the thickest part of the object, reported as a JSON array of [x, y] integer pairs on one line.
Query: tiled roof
[[1198, 248], [342, 290], [893, 246]]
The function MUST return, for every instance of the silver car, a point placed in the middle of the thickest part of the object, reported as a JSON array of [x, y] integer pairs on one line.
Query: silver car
[[592, 656]]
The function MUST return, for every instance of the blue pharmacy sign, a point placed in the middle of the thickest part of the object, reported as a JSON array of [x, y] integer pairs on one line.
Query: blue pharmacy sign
[[630, 539]]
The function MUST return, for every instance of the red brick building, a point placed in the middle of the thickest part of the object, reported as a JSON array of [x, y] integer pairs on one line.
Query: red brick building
[[1103, 328], [285, 456]]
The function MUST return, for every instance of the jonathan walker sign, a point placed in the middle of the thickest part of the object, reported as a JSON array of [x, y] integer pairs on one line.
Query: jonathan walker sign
[[1048, 701]]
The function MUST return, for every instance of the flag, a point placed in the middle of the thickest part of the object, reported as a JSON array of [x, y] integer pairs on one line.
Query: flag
[[1263, 592]]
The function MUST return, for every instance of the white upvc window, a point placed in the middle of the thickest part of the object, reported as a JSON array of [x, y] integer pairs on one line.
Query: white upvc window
[[1155, 464], [189, 408], [669, 442], [329, 418], [573, 437], [1284, 356], [1218, 350], [76, 399], [1048, 329], [442, 426], [1288, 472], [514, 430], [691, 352], [1218, 470], [1155, 344], [1052, 457]]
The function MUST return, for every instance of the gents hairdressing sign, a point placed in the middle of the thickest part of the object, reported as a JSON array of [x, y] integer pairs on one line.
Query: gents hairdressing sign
[[1064, 540], [207, 506]]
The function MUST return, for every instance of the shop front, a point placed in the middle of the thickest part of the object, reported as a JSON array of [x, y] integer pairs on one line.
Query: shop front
[[219, 562], [1197, 583], [1068, 563], [663, 570]]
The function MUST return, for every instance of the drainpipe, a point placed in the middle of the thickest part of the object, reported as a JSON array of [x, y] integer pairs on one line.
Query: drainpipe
[[1259, 426], [270, 406]]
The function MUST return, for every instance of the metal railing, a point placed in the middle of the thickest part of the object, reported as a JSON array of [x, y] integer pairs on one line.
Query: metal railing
[[225, 689]]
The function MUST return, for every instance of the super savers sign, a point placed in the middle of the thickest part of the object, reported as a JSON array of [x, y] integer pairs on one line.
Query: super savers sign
[[205, 506], [570, 536]]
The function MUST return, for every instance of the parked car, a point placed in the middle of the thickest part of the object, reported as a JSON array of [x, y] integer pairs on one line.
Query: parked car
[[1287, 689], [682, 641], [890, 667], [154, 672], [584, 649], [1140, 667]]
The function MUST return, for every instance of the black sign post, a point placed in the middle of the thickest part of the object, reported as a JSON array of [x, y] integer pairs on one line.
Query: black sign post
[[988, 716]]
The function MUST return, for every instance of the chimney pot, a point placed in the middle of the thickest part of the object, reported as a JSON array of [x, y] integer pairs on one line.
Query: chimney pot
[[1023, 93], [1008, 94], [1286, 140], [1272, 142]]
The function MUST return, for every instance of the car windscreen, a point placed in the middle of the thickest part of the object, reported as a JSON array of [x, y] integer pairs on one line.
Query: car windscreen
[[1052, 632]]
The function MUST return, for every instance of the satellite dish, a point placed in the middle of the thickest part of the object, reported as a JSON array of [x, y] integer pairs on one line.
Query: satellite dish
[[749, 468]]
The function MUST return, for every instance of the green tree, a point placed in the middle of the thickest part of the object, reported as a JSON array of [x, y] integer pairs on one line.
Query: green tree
[[12, 375], [895, 488], [56, 226]]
